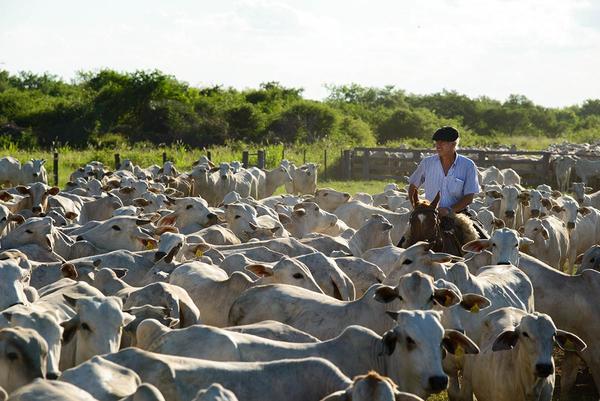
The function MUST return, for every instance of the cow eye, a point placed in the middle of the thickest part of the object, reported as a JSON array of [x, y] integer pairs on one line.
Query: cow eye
[[298, 276], [535, 229], [2, 219], [525, 334], [325, 194], [592, 260], [316, 209], [12, 356], [410, 343], [84, 326], [493, 244], [29, 231], [116, 227], [189, 206], [407, 262], [237, 216]]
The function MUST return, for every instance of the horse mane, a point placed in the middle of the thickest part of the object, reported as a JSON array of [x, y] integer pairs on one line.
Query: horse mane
[[465, 226]]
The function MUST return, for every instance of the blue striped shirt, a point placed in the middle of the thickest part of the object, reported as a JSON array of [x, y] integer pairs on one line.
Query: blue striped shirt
[[461, 179]]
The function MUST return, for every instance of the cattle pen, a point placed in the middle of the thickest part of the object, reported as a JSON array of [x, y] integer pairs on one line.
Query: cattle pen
[[534, 167]]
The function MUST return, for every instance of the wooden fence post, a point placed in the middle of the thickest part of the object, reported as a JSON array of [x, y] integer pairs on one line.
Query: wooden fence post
[[282, 153], [365, 165], [117, 161], [261, 159], [347, 164], [304, 157], [208, 155], [245, 159], [164, 157], [325, 163], [55, 167]]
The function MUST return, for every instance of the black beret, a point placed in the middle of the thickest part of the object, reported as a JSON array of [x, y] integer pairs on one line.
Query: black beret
[[448, 134]]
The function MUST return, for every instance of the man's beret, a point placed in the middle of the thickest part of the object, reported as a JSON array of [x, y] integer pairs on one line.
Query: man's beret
[[448, 134]]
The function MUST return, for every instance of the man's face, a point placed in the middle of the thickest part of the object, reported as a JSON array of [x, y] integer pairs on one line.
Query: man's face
[[444, 148]]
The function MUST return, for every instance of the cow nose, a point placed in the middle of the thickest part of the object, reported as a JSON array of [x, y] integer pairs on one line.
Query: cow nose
[[35, 174], [535, 213], [159, 255], [438, 383], [504, 263], [51, 375], [36, 209], [510, 213], [79, 238], [544, 369], [571, 225]]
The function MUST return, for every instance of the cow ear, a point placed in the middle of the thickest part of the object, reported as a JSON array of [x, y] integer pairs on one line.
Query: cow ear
[[127, 318], [70, 300], [17, 218], [446, 297], [584, 210], [69, 328], [120, 272], [22, 189], [474, 302], [71, 215], [556, 194], [388, 341], [525, 241], [385, 294], [5, 196], [456, 342], [521, 230], [588, 190], [68, 270], [300, 212], [579, 259], [284, 219], [569, 341], [545, 233], [499, 223], [54, 190], [505, 341], [260, 270], [476, 246], [7, 315], [557, 209], [441, 257]]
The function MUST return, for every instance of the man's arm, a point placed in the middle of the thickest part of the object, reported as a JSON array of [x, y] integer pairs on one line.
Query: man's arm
[[463, 203]]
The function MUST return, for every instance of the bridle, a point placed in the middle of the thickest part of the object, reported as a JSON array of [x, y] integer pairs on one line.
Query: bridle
[[436, 235]]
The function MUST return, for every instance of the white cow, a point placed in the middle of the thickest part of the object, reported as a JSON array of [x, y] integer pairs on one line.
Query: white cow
[[414, 367], [516, 348], [551, 240], [372, 387], [213, 292], [22, 357], [585, 196], [179, 378]]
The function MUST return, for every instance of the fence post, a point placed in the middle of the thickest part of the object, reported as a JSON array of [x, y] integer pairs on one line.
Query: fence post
[[55, 167], [164, 157], [304, 157], [208, 155], [347, 164], [282, 153], [261, 159], [245, 159], [117, 161], [365, 165], [325, 163]]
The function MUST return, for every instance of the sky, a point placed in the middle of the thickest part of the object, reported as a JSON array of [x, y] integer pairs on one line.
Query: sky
[[547, 50]]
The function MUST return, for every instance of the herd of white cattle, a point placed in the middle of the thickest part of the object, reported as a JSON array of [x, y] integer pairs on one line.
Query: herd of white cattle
[[148, 284]]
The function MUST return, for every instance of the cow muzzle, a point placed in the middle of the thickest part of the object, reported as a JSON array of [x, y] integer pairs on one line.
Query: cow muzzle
[[544, 369], [570, 225], [438, 383], [510, 214]]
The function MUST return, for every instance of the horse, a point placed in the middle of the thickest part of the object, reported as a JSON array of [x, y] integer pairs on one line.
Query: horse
[[446, 234]]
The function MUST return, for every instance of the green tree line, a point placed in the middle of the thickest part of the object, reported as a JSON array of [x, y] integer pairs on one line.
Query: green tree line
[[107, 107]]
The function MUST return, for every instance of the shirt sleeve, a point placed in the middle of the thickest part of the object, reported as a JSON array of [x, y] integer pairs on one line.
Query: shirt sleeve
[[418, 176], [471, 180]]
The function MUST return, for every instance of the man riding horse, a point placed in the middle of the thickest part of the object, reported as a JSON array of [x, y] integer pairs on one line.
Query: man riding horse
[[450, 182]]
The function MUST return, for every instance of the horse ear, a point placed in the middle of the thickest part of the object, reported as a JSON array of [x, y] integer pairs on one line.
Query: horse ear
[[436, 200]]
